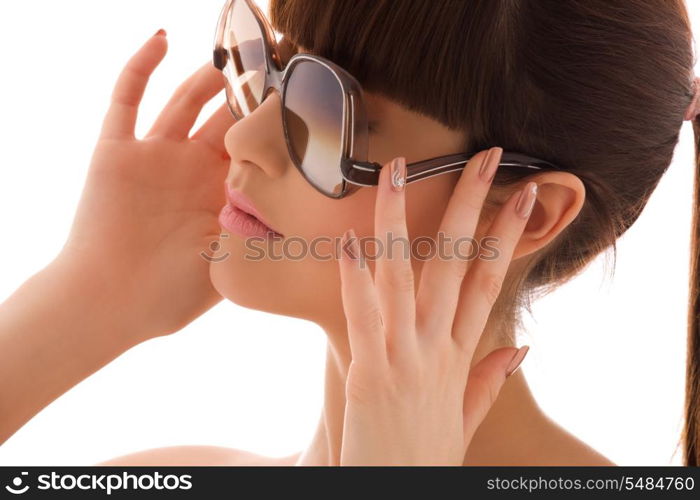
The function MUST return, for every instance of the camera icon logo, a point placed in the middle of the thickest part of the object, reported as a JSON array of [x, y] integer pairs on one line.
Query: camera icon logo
[[215, 246], [16, 487]]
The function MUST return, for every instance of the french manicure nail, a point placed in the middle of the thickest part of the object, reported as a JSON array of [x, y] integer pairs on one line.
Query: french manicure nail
[[160, 32], [527, 199], [490, 164], [398, 173], [517, 360]]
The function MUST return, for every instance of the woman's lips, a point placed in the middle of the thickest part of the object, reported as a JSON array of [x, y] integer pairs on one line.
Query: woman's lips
[[240, 216], [243, 224]]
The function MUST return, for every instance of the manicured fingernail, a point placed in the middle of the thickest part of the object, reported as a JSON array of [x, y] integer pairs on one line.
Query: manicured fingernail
[[490, 164], [517, 360], [160, 32], [350, 246], [527, 199], [398, 173]]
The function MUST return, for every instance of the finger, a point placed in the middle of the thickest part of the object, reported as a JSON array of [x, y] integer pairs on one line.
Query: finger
[[179, 114], [393, 274], [359, 295], [214, 129], [441, 277], [120, 119], [484, 281], [484, 384]]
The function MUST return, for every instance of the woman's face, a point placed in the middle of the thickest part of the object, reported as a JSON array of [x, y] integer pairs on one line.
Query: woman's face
[[288, 279]]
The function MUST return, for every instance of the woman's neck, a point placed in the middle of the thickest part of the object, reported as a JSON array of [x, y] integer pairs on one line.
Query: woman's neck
[[502, 438]]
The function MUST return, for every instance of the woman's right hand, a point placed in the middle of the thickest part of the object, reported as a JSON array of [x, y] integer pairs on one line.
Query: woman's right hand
[[148, 210]]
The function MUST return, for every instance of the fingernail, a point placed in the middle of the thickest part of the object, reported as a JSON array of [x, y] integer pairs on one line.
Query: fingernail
[[160, 32], [350, 244], [527, 199], [517, 360], [398, 173], [490, 164]]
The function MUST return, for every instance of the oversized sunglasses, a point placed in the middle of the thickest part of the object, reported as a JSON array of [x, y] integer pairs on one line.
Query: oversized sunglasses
[[323, 111]]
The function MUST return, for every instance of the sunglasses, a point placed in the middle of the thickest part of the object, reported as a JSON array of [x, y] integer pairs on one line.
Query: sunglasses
[[323, 112]]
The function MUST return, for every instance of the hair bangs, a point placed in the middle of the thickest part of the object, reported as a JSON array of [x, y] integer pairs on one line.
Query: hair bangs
[[415, 53]]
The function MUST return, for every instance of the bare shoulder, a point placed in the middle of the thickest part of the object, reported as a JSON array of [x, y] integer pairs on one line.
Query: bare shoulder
[[198, 455]]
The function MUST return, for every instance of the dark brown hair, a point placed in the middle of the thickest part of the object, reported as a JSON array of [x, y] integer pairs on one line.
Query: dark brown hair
[[598, 87]]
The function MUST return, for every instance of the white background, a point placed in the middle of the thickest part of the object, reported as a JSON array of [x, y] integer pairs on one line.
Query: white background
[[607, 359]]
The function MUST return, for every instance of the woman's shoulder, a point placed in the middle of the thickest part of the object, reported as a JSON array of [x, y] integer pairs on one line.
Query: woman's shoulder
[[189, 455]]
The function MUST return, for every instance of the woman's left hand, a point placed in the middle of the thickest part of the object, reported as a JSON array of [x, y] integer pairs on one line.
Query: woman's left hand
[[411, 398]]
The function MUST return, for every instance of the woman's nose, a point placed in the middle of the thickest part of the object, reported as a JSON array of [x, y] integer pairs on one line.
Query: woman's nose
[[258, 138]]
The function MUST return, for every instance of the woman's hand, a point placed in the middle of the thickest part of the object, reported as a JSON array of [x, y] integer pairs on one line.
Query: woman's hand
[[149, 207], [411, 398], [131, 268]]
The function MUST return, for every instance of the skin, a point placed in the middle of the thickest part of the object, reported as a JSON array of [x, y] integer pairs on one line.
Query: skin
[[77, 314], [309, 289]]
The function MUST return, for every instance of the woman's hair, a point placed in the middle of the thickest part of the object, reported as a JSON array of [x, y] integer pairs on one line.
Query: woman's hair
[[598, 87]]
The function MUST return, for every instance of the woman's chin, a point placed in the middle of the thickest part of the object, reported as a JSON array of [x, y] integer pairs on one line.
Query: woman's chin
[[246, 288], [234, 286], [300, 289]]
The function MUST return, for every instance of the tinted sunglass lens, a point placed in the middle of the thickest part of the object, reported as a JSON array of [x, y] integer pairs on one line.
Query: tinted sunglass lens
[[313, 115], [245, 68]]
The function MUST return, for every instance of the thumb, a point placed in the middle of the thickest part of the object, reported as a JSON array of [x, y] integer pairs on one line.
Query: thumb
[[485, 382]]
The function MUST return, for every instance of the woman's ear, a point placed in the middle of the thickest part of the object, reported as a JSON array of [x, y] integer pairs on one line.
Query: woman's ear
[[560, 196]]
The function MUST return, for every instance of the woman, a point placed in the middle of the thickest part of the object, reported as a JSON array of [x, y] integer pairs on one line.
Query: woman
[[421, 359]]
